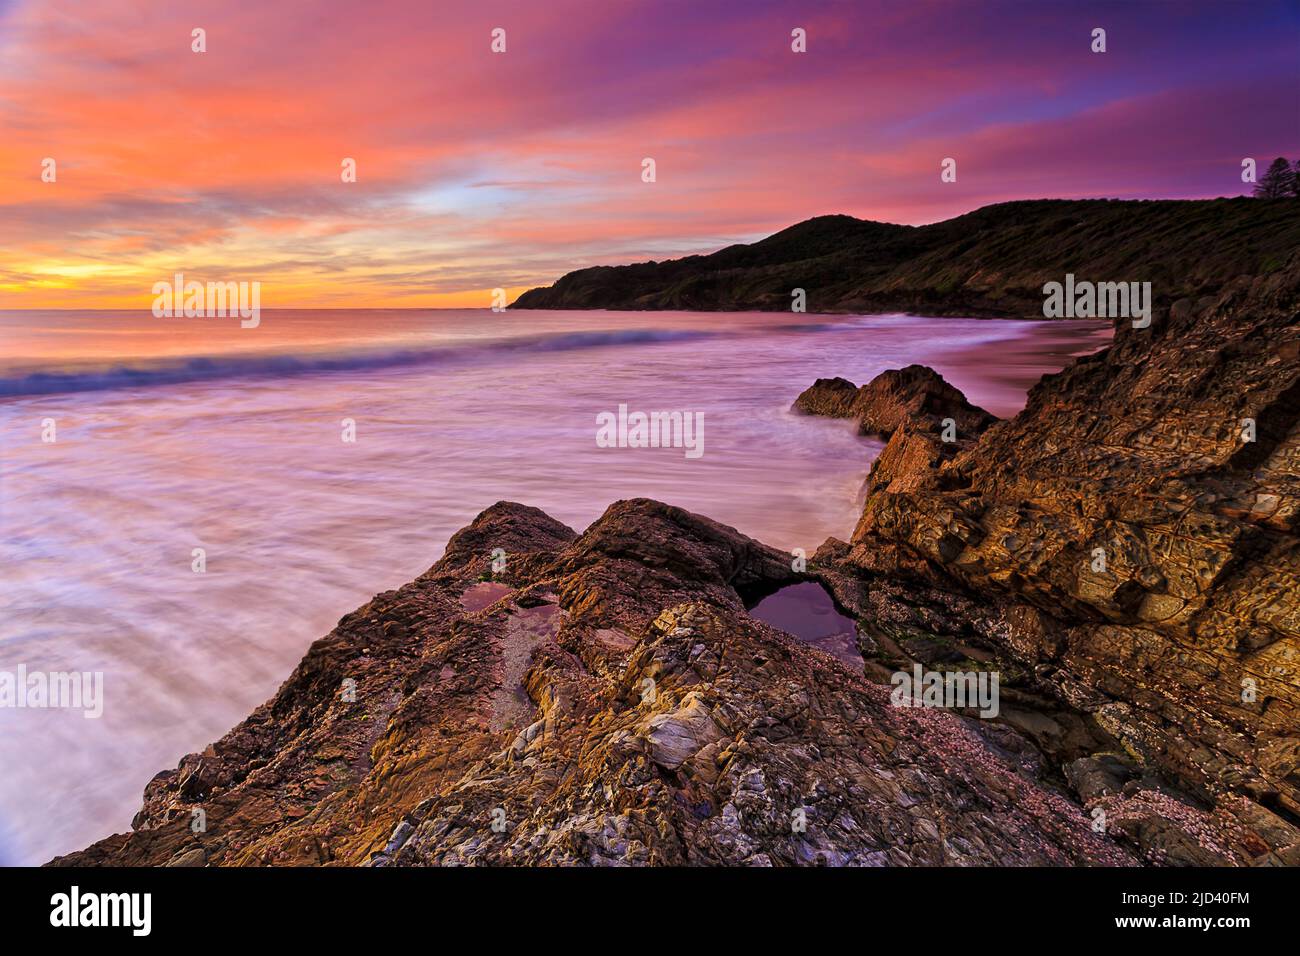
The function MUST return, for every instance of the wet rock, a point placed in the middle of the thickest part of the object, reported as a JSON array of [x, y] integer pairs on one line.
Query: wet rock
[[678, 736], [916, 395], [828, 397], [704, 736], [1124, 544], [193, 857], [1099, 776]]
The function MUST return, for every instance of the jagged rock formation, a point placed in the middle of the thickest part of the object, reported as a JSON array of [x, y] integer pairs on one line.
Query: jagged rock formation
[[1130, 541], [916, 395], [915, 402], [606, 699], [993, 261]]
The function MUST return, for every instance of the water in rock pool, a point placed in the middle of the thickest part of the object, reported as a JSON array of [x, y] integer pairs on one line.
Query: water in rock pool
[[808, 612], [177, 434]]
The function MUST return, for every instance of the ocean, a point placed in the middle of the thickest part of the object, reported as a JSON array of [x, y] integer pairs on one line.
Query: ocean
[[171, 435]]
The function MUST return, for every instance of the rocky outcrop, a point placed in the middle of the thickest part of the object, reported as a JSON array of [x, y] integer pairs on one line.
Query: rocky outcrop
[[829, 397], [916, 395], [928, 419], [1129, 541], [654, 722]]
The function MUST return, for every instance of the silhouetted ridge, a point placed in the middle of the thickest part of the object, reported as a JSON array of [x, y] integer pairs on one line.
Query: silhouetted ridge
[[993, 261]]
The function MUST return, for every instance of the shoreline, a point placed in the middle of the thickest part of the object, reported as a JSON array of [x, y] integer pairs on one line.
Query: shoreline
[[956, 556], [338, 565]]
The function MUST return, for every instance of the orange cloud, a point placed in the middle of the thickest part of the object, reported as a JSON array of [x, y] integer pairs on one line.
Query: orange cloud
[[478, 170]]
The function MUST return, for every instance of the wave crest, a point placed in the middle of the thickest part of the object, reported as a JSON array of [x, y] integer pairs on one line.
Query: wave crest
[[208, 368]]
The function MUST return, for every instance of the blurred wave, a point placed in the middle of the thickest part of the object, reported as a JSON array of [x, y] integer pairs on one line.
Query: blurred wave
[[210, 368], [239, 453]]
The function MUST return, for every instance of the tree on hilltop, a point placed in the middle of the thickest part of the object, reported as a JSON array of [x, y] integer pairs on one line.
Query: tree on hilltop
[[1278, 182]]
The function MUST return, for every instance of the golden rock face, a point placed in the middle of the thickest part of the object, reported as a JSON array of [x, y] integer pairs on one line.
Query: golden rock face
[[1154, 536]]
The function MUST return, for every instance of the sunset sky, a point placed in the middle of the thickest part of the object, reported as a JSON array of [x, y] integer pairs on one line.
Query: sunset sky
[[479, 170]]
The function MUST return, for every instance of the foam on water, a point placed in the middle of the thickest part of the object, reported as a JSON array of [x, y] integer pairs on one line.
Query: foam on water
[[97, 529]]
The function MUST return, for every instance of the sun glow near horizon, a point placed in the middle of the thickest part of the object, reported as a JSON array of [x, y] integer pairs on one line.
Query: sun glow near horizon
[[479, 171]]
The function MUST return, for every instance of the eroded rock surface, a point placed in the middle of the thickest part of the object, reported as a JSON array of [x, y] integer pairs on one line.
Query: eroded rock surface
[[1129, 543], [663, 725], [917, 395]]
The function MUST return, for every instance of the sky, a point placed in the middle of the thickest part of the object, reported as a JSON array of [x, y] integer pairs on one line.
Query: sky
[[479, 170]]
